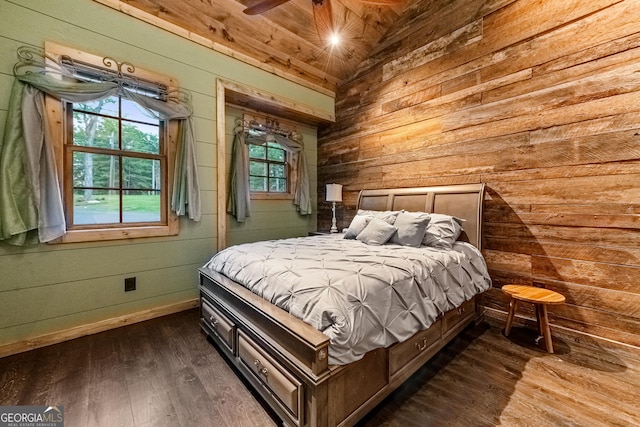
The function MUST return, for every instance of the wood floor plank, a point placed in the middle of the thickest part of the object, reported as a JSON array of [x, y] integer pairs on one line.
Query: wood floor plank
[[483, 378], [14, 376], [148, 391], [165, 373], [109, 403], [73, 374]]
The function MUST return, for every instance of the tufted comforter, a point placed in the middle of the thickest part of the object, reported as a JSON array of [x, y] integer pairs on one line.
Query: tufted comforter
[[362, 297]]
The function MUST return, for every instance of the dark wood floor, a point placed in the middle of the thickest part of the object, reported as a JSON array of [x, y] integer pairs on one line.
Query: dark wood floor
[[164, 373]]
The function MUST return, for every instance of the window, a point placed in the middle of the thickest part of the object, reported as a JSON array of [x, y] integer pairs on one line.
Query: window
[[114, 158], [268, 169]]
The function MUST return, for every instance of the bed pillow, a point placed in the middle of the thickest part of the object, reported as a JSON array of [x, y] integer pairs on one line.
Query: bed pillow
[[387, 216], [411, 228], [358, 223], [377, 232], [442, 231]]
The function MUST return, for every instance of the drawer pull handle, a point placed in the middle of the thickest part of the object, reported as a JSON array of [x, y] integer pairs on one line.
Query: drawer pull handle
[[261, 369], [423, 345], [214, 322]]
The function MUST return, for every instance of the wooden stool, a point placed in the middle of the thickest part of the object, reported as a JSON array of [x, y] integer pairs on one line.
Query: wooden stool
[[540, 297]]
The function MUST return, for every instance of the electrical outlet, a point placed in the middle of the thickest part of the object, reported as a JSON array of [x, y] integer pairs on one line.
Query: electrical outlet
[[130, 284]]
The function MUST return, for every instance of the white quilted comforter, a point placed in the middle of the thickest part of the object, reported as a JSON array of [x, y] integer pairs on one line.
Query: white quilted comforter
[[362, 297]]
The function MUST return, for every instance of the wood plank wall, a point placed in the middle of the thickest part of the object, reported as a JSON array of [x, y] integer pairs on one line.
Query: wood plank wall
[[540, 99]]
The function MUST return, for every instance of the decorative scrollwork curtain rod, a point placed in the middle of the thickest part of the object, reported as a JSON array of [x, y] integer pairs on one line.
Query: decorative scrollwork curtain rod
[[32, 59], [270, 125], [126, 79]]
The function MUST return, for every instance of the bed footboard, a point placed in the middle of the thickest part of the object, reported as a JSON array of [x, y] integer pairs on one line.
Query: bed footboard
[[286, 360]]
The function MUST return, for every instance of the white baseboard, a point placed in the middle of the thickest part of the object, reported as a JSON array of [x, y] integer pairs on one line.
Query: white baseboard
[[93, 328]]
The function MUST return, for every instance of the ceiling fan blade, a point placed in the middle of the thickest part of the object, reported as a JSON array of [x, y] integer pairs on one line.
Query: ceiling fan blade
[[323, 17], [263, 6]]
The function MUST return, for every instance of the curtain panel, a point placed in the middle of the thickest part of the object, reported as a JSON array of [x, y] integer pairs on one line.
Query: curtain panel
[[32, 209], [239, 201]]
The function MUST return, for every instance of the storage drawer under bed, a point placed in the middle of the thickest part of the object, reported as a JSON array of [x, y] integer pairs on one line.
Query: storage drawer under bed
[[454, 317], [219, 324], [402, 353], [287, 389]]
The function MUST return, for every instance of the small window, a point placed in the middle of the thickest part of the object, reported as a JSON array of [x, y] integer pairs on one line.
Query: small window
[[268, 168], [116, 158]]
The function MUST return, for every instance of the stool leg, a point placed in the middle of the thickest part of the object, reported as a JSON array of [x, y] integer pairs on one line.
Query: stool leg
[[543, 322], [512, 311], [539, 316]]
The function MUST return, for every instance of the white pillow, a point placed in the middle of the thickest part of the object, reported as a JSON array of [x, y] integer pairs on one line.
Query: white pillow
[[387, 216], [411, 228], [442, 231], [377, 232], [358, 223], [362, 218]]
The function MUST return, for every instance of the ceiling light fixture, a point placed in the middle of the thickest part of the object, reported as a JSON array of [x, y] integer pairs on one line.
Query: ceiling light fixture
[[322, 14], [334, 39]]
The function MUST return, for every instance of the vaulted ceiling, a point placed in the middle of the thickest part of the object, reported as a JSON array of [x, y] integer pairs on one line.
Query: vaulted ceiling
[[283, 40]]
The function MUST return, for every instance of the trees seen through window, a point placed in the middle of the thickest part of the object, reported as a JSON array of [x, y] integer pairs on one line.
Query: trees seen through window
[[117, 163], [268, 172]]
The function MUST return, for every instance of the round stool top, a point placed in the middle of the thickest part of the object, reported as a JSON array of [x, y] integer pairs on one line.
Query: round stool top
[[534, 294]]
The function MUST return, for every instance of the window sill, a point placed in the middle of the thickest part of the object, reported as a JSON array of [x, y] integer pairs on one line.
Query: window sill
[[99, 234], [271, 196]]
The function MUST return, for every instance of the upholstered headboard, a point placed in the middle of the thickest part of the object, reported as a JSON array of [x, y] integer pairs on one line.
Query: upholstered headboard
[[462, 201]]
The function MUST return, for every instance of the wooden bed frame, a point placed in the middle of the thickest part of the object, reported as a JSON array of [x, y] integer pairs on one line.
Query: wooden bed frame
[[286, 360]]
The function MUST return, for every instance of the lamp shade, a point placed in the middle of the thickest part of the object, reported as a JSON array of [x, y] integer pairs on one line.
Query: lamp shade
[[334, 192]]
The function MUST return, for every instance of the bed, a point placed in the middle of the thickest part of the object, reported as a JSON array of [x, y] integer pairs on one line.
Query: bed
[[302, 373]]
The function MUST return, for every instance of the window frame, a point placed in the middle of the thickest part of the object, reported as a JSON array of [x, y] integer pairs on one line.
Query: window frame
[[61, 121], [282, 195]]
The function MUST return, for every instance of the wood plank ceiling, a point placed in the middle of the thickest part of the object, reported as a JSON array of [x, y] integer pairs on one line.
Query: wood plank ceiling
[[284, 39]]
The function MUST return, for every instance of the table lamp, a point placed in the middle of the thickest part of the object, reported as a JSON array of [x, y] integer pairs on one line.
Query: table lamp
[[334, 194]]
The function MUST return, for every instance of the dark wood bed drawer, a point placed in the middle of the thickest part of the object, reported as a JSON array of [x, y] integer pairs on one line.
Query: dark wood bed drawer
[[218, 323], [460, 314], [402, 353], [278, 380]]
